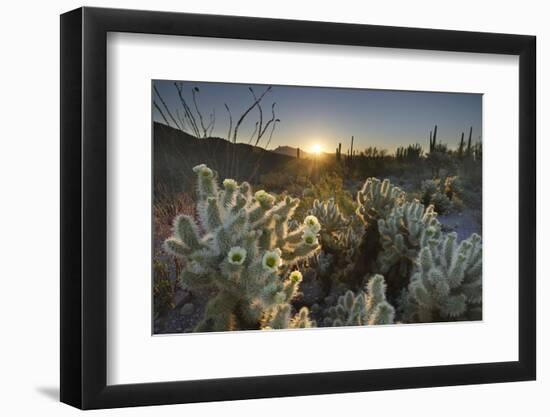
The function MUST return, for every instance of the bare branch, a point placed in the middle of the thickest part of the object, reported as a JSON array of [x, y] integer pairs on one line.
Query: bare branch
[[188, 113], [248, 111], [271, 133], [261, 113], [230, 121], [255, 170], [180, 119], [260, 134], [253, 133], [194, 91], [161, 113], [166, 107], [211, 124]]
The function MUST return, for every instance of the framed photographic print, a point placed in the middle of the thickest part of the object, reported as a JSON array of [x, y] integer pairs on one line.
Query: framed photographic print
[[257, 208]]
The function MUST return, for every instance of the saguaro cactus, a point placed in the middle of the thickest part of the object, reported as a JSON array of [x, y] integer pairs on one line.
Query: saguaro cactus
[[241, 247], [433, 139]]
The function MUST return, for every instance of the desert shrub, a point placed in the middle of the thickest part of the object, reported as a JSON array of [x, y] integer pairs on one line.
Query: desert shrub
[[441, 161], [166, 207], [281, 182], [471, 193], [329, 186], [163, 289], [443, 194], [453, 187]]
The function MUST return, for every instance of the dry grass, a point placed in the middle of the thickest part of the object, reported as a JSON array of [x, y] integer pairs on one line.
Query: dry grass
[[165, 208]]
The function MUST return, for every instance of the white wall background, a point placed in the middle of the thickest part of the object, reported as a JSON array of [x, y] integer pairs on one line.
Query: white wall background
[[29, 225]]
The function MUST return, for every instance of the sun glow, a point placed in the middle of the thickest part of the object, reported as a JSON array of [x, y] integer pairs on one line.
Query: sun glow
[[316, 148]]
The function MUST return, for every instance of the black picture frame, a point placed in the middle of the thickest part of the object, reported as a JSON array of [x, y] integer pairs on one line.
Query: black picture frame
[[84, 207]]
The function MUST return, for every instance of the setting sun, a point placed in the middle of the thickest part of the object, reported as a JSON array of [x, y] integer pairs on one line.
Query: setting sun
[[316, 149]]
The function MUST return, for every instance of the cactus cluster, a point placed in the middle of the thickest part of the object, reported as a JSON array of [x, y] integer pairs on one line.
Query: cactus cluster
[[334, 224], [362, 308], [448, 281], [340, 237], [377, 198], [240, 246], [246, 251], [441, 193], [403, 232], [329, 215]]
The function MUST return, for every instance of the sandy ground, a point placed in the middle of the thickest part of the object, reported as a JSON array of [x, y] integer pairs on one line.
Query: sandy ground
[[463, 223]]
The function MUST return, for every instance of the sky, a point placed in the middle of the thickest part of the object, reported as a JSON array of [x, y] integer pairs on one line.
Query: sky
[[318, 117]]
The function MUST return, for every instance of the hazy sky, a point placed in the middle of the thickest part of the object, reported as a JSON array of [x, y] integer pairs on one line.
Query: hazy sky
[[326, 116]]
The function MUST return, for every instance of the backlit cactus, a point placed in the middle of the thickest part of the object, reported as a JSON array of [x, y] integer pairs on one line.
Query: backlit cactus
[[333, 222], [339, 238], [403, 232], [448, 282], [440, 193], [246, 250], [329, 215], [377, 198], [279, 315], [362, 308], [241, 247]]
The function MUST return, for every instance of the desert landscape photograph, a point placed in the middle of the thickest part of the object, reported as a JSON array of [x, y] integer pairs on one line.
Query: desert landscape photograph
[[293, 207]]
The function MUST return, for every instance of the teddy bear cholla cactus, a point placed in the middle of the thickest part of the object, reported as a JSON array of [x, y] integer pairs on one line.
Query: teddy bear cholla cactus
[[329, 215], [403, 232], [241, 247], [333, 222], [448, 283], [377, 198], [440, 193], [340, 236], [280, 316], [364, 308]]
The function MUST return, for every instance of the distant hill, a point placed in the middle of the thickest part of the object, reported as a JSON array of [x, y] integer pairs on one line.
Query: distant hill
[[291, 151], [175, 153]]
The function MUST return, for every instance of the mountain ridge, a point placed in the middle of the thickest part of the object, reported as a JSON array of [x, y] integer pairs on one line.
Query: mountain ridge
[[175, 153]]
